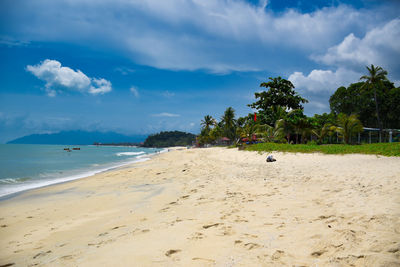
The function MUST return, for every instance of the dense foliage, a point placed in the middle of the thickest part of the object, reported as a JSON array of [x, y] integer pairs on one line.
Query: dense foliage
[[373, 103], [280, 96], [167, 139], [358, 100]]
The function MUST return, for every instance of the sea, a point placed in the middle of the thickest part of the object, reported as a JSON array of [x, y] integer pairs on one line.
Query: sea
[[24, 167]]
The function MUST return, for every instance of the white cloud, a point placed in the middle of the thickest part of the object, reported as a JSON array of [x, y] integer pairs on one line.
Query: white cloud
[[60, 78], [380, 46], [166, 114], [214, 35], [102, 86], [134, 91], [320, 81]]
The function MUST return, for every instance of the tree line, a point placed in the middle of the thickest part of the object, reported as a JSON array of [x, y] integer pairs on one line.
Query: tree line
[[372, 102], [169, 138]]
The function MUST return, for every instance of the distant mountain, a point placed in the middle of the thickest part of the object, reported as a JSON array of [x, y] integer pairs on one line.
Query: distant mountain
[[78, 138]]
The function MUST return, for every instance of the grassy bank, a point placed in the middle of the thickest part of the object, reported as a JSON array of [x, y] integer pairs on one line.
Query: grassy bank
[[384, 149]]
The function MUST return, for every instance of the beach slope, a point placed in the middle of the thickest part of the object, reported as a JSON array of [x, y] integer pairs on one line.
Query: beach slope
[[213, 207]]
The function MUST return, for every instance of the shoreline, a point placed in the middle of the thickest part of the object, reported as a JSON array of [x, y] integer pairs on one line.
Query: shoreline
[[84, 174], [213, 207]]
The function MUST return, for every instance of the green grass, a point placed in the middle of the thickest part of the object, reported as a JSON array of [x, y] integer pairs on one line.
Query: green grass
[[384, 149]]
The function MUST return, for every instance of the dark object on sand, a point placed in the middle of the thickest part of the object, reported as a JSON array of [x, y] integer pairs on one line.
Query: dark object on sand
[[270, 158]]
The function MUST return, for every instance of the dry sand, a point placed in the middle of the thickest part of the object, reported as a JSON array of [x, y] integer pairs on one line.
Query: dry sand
[[213, 207]]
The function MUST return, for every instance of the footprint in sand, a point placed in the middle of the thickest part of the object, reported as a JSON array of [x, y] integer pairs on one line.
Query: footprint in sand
[[197, 236], [67, 257], [248, 246], [172, 251], [41, 254], [211, 225], [277, 255], [318, 253], [116, 227]]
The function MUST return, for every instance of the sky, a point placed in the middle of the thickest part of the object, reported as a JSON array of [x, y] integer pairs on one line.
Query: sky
[[144, 66]]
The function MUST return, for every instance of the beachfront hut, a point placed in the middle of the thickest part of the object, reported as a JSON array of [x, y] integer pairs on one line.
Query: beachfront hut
[[224, 141]]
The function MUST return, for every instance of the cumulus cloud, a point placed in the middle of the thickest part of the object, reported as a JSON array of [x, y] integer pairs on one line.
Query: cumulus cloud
[[59, 78], [320, 81], [214, 35], [134, 91], [379, 46], [166, 114]]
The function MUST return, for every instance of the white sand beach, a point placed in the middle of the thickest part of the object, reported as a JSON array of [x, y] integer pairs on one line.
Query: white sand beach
[[213, 207]]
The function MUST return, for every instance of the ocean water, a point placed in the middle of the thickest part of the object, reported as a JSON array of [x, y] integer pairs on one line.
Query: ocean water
[[24, 167]]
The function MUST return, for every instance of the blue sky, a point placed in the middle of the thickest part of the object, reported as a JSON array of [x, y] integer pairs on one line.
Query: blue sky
[[144, 66]]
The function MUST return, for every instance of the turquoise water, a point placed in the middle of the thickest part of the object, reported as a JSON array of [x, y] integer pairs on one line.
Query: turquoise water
[[24, 167]]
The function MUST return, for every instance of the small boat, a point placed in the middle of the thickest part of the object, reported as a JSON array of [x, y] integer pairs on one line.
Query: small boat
[[67, 149], [76, 148]]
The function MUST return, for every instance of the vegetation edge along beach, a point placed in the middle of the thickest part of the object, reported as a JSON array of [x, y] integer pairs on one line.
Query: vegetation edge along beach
[[363, 119], [383, 149]]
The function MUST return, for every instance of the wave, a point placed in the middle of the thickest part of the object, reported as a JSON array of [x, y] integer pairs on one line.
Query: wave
[[14, 180], [14, 185], [120, 154]]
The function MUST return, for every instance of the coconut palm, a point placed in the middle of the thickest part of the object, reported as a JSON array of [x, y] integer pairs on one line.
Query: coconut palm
[[207, 122], [326, 130], [375, 81], [285, 128], [215, 133], [250, 129], [274, 134], [347, 126], [229, 123]]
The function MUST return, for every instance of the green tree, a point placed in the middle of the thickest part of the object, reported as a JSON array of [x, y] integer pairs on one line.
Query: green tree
[[359, 100], [252, 128], [327, 130], [279, 97], [393, 112], [299, 124], [347, 126], [215, 133], [375, 81], [229, 123], [322, 126], [274, 134], [207, 122]]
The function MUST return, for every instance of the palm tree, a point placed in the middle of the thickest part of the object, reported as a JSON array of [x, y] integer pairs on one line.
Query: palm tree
[[215, 133], [229, 123], [285, 128], [274, 134], [347, 126], [324, 131], [207, 122], [375, 80], [251, 128]]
